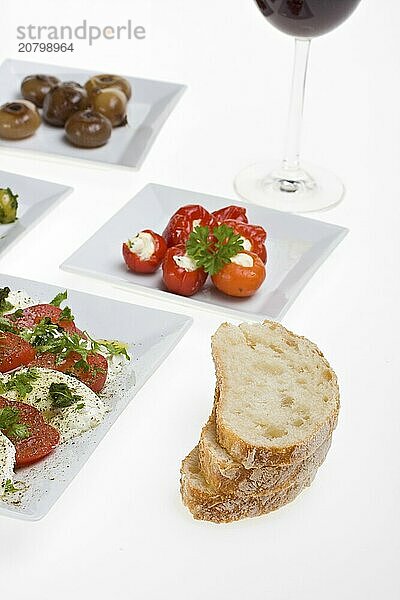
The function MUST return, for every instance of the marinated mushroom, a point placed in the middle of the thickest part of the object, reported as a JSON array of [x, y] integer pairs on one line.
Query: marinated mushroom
[[18, 120], [100, 82], [88, 129], [62, 101], [35, 87], [111, 103], [8, 206]]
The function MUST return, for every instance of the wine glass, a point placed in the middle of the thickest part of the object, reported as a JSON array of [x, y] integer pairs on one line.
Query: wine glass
[[292, 186]]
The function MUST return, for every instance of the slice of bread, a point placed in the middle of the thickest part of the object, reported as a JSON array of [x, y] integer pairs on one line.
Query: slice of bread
[[278, 396], [227, 476], [206, 504]]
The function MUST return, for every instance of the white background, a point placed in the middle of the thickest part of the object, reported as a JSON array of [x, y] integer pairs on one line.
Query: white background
[[120, 530]]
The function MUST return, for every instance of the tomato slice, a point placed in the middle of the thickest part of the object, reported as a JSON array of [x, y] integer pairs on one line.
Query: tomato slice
[[14, 352], [95, 377], [42, 440], [32, 315]]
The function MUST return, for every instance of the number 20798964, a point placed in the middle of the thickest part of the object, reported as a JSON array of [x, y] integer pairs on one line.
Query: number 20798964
[[28, 47]]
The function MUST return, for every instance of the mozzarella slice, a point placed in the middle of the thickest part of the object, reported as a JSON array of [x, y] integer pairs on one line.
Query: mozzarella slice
[[70, 421], [7, 461]]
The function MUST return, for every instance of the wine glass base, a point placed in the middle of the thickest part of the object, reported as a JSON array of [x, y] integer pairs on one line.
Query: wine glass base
[[292, 190]]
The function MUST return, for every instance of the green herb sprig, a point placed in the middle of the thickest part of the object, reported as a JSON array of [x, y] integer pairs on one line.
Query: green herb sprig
[[5, 305], [62, 397], [111, 347], [6, 326], [20, 382], [49, 337], [66, 314], [59, 299], [213, 250], [10, 425], [9, 487], [17, 314]]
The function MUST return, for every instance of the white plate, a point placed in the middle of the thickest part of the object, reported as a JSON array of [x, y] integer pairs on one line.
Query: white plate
[[297, 246], [35, 199], [151, 335], [151, 104]]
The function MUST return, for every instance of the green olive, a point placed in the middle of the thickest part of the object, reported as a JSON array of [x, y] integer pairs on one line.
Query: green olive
[[8, 206], [88, 129], [111, 103], [18, 120], [35, 87], [62, 101], [100, 82]]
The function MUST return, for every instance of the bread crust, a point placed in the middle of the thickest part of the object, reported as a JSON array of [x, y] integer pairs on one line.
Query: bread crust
[[208, 505], [252, 456], [227, 476]]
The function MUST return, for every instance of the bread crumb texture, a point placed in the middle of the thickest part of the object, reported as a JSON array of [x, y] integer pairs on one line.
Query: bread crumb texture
[[276, 390]]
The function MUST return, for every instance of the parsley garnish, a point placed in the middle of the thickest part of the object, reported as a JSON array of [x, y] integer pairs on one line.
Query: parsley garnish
[[62, 396], [66, 314], [48, 337], [9, 487], [213, 250], [113, 347], [20, 382], [10, 425], [6, 326], [59, 299], [44, 336], [5, 305], [17, 314]]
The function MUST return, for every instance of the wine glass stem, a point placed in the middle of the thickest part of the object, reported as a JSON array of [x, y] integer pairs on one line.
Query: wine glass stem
[[291, 159]]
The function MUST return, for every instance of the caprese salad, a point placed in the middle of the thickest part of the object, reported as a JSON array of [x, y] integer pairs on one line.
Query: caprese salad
[[197, 244], [51, 378]]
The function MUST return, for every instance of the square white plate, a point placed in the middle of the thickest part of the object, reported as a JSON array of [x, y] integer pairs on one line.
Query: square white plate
[[151, 104], [35, 199], [297, 246], [151, 335]]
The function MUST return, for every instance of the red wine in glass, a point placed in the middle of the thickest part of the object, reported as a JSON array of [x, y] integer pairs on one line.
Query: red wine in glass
[[306, 18], [289, 185]]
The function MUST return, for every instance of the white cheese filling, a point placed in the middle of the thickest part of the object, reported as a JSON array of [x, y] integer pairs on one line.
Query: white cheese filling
[[243, 260], [247, 245], [142, 245], [195, 224], [185, 262]]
